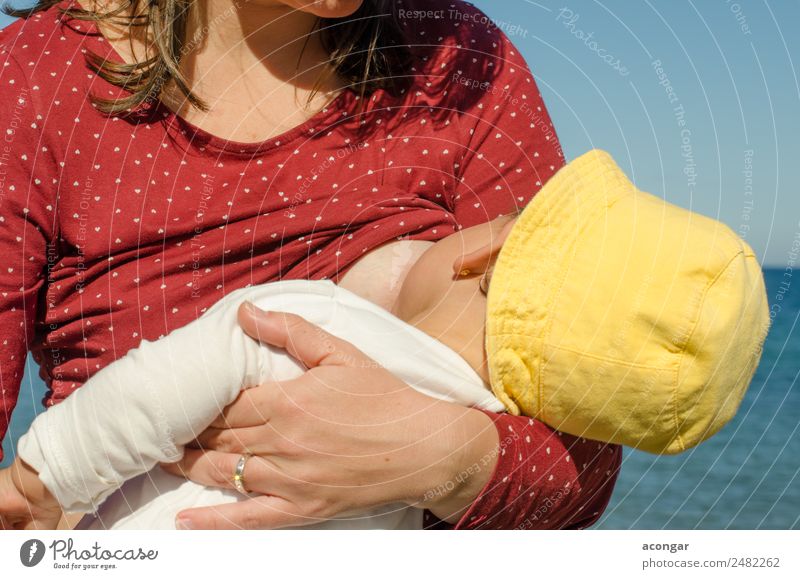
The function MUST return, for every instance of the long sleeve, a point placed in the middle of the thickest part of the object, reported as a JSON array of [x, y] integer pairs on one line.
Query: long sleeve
[[511, 146], [540, 480], [142, 409], [26, 228], [544, 479]]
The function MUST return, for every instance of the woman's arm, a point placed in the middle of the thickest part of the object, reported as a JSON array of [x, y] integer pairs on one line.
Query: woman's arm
[[543, 479], [27, 223], [512, 150]]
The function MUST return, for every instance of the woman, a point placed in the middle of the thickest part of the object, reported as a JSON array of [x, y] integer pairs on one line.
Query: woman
[[160, 155]]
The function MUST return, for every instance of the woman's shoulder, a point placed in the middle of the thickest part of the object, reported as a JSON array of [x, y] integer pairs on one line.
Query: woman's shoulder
[[452, 30], [49, 52], [461, 52], [35, 34]]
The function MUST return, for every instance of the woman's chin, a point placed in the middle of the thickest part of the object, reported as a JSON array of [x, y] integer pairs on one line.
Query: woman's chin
[[326, 8]]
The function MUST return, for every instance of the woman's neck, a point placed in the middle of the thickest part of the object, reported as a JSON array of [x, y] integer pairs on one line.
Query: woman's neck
[[240, 26], [246, 40], [254, 64]]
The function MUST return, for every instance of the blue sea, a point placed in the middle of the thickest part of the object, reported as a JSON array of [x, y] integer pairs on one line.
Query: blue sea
[[745, 477]]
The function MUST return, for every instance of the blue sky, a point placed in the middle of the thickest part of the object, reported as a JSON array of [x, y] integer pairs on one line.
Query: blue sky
[[733, 69]]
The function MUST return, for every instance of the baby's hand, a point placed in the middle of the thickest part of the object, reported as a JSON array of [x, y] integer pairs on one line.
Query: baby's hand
[[25, 503]]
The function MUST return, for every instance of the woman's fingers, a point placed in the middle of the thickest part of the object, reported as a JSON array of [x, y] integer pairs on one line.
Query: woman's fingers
[[265, 512], [251, 407], [207, 468], [304, 341], [251, 440], [216, 469]]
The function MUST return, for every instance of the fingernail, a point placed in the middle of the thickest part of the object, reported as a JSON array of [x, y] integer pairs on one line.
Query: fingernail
[[254, 309], [183, 524]]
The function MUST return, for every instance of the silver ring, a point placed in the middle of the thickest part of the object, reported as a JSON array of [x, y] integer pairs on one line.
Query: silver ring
[[238, 473]]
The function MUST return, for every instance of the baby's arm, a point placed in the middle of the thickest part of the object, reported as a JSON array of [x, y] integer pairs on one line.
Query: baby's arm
[[142, 409], [25, 503]]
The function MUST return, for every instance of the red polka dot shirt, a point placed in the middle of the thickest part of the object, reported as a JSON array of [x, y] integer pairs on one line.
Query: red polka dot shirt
[[116, 230]]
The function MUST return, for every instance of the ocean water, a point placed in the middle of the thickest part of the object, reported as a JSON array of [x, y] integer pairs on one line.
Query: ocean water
[[745, 477]]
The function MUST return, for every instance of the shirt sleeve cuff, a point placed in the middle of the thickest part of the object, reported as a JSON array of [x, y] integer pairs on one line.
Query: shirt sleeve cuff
[[475, 514]]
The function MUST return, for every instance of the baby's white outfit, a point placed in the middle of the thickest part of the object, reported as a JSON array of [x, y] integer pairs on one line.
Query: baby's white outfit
[[143, 408]]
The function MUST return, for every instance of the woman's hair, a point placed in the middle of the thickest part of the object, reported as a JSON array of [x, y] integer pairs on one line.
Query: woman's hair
[[367, 49]]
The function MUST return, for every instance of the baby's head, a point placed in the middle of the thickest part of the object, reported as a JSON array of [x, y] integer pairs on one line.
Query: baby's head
[[601, 310]]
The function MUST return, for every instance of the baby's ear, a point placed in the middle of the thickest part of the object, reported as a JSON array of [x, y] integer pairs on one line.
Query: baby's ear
[[478, 261]]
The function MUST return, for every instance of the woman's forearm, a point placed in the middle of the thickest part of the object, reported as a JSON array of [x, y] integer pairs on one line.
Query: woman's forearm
[[471, 448], [542, 479]]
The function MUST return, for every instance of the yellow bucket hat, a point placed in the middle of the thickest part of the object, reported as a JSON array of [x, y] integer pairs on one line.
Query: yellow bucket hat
[[617, 316]]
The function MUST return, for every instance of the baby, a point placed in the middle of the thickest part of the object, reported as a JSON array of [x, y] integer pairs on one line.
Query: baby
[[600, 310]]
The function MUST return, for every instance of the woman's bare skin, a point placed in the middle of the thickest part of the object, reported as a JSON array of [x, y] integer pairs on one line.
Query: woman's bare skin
[[255, 68]]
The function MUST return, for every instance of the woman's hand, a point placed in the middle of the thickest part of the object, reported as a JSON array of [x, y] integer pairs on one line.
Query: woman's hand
[[25, 503], [346, 435]]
